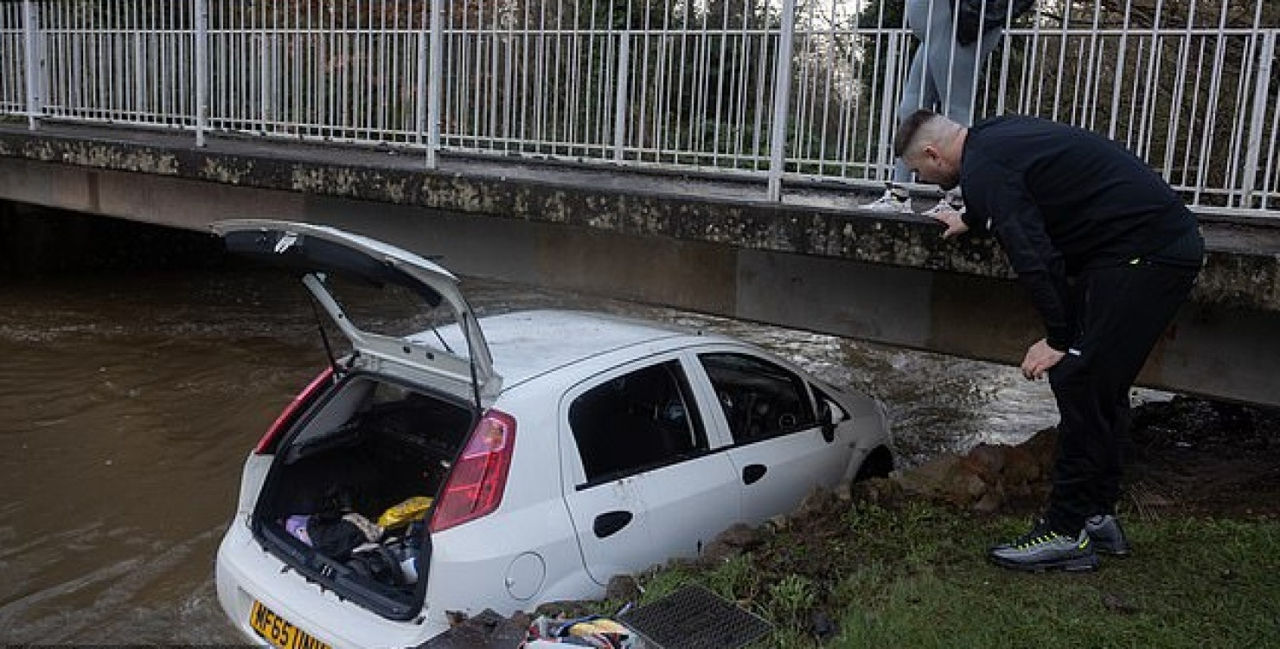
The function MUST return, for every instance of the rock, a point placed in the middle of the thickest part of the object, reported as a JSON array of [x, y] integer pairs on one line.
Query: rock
[[817, 501], [1021, 466], [986, 479], [987, 460], [974, 487], [487, 630], [521, 619], [730, 543], [563, 609], [989, 503], [1042, 446], [622, 588], [878, 491], [962, 488], [929, 478], [742, 536], [951, 478]]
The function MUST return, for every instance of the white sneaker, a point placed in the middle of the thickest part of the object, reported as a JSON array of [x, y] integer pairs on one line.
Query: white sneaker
[[950, 202], [943, 206], [890, 202]]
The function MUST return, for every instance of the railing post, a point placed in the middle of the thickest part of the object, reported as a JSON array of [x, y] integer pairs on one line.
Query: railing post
[[781, 100], [620, 96], [420, 85], [34, 63], [435, 83], [202, 69], [888, 102], [1257, 121]]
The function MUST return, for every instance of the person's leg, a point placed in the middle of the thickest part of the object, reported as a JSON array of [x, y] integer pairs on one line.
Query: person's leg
[[954, 71], [1126, 309], [1083, 443], [913, 98], [956, 81], [919, 90], [1106, 489]]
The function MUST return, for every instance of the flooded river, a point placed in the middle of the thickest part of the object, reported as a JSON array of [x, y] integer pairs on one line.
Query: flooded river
[[130, 399]]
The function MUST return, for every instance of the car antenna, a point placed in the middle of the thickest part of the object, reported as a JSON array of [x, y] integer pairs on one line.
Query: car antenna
[[324, 337]]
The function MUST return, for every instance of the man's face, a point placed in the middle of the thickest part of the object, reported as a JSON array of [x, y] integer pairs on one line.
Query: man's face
[[934, 167]]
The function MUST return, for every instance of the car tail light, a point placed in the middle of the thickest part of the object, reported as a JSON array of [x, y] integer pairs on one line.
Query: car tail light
[[291, 411], [478, 478]]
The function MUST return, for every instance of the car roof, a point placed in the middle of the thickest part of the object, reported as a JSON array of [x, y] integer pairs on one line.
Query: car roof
[[525, 344]]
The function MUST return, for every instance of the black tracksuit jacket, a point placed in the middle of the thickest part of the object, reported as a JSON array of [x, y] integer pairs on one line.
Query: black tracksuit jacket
[[1062, 200]]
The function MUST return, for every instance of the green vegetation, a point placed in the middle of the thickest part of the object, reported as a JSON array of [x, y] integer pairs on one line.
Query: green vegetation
[[914, 575]]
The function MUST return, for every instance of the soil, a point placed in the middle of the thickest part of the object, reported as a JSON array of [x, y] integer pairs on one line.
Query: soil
[[1205, 457]]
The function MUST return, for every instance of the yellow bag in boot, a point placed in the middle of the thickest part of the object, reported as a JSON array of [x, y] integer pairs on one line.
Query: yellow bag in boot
[[408, 511]]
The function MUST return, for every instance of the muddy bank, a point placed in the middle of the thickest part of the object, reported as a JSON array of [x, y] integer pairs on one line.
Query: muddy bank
[[1206, 457], [1187, 455]]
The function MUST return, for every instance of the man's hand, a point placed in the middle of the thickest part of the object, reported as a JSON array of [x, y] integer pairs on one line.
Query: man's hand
[[1040, 357], [951, 219]]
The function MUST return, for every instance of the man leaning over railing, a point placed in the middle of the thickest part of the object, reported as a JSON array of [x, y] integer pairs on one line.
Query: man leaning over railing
[[1107, 252]]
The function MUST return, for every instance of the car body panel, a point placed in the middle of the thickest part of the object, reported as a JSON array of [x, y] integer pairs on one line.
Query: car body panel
[[318, 249], [661, 512], [530, 344], [774, 474], [245, 572]]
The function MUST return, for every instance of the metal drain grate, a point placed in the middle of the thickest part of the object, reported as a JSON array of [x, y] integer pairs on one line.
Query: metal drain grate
[[695, 618]]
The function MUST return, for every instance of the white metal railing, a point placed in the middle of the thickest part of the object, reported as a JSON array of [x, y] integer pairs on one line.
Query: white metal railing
[[773, 89]]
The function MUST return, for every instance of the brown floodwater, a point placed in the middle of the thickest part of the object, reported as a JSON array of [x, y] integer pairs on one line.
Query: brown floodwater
[[128, 402]]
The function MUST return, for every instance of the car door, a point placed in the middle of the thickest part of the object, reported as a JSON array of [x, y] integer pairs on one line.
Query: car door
[[779, 450], [642, 481]]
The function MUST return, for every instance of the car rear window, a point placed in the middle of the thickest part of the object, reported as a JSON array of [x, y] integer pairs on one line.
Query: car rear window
[[641, 419]]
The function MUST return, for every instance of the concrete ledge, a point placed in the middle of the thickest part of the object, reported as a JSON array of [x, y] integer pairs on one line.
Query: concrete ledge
[[703, 244], [1242, 269]]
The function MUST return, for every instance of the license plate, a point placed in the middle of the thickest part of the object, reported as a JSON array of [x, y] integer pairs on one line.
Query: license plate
[[280, 632]]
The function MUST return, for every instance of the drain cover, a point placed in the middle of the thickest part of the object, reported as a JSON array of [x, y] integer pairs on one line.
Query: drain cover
[[695, 618]]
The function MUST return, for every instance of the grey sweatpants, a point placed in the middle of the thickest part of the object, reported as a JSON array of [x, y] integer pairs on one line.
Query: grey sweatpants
[[943, 72]]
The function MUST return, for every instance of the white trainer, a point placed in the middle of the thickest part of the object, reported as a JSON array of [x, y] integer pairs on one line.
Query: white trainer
[[950, 202], [891, 202]]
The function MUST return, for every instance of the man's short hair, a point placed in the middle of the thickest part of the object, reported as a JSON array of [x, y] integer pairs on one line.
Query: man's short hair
[[906, 135]]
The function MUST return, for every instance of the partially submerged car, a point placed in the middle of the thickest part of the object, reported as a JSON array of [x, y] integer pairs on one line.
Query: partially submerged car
[[532, 456]]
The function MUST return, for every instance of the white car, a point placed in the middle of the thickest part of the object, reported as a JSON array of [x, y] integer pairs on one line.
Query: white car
[[558, 449]]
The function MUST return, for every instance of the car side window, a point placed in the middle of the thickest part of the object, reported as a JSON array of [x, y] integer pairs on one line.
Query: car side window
[[759, 399], [642, 419]]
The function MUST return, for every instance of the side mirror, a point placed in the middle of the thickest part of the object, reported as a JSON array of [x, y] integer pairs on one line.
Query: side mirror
[[825, 421]]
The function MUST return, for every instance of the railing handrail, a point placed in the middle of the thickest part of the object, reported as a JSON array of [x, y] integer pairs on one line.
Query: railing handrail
[[1192, 93]]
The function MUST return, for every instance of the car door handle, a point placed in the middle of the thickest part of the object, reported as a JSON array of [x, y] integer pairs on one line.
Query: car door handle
[[753, 472], [610, 523]]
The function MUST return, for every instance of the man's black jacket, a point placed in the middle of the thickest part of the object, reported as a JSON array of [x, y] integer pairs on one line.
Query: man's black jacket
[[1060, 200]]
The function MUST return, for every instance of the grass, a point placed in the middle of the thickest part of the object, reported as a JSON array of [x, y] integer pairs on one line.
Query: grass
[[915, 576]]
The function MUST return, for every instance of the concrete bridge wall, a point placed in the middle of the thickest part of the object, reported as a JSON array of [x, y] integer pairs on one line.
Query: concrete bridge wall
[[706, 245]]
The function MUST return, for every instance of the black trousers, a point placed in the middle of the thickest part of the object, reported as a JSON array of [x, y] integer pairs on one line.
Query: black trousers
[[1123, 311]]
